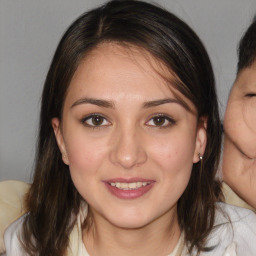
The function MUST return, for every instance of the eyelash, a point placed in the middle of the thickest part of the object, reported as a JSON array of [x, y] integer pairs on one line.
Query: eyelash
[[250, 95], [84, 121], [170, 121], [164, 118]]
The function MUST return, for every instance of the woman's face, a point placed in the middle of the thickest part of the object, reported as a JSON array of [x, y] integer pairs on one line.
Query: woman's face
[[240, 116], [129, 142]]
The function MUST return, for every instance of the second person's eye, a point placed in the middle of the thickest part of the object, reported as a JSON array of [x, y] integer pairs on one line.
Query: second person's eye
[[250, 95]]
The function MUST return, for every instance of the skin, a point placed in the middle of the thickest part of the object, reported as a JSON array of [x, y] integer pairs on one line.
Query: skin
[[239, 165], [128, 143]]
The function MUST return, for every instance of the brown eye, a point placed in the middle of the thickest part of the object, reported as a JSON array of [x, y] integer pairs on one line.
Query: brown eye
[[95, 121], [160, 121]]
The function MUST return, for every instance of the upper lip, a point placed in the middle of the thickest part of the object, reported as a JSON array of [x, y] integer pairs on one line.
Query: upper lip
[[128, 180]]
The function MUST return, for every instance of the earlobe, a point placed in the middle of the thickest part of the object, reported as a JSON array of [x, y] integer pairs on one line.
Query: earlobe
[[59, 138], [201, 140]]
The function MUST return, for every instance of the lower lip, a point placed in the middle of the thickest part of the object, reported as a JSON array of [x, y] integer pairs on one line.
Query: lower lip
[[129, 194]]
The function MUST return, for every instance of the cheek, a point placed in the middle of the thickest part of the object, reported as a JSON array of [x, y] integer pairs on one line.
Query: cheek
[[231, 112], [175, 162], [249, 110], [240, 117], [234, 120], [86, 158], [175, 155], [85, 155], [239, 125]]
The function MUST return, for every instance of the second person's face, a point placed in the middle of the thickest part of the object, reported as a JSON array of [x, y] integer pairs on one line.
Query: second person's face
[[240, 116]]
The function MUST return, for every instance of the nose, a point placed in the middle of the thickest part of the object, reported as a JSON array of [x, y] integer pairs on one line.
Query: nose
[[128, 150]]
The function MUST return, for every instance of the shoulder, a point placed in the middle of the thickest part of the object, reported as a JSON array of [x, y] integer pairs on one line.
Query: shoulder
[[238, 217], [11, 204], [234, 227], [235, 213], [244, 229], [12, 238], [12, 197]]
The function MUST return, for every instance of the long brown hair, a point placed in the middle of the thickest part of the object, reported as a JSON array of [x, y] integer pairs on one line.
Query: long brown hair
[[53, 198]]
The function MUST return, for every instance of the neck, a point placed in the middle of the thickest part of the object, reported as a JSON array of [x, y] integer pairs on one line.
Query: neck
[[157, 238]]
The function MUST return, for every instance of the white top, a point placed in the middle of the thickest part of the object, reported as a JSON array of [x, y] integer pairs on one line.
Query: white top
[[235, 239]]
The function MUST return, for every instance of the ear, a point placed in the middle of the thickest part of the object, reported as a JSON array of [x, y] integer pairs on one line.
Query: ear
[[201, 139], [59, 138]]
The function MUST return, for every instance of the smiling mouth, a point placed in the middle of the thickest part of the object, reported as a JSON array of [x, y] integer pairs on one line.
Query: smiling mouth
[[129, 188], [130, 185]]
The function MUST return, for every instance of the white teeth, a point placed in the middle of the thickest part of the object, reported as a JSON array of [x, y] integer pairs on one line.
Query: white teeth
[[132, 185], [124, 186], [139, 184], [129, 186]]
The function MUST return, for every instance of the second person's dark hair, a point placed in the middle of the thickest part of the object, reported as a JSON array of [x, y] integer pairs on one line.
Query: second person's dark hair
[[247, 47]]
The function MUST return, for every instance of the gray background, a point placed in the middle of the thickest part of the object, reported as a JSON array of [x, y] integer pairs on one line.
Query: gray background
[[30, 31]]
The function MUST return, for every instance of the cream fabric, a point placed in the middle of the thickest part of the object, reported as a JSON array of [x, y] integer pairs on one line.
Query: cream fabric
[[11, 204], [76, 245], [232, 198]]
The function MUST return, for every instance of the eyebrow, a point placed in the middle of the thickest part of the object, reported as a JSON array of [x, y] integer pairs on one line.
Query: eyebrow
[[97, 102], [155, 103], [110, 104]]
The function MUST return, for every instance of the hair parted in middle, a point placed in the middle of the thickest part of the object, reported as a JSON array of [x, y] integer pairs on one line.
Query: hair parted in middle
[[53, 198]]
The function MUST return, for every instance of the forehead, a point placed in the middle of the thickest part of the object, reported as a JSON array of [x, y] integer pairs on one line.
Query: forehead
[[127, 60], [114, 67]]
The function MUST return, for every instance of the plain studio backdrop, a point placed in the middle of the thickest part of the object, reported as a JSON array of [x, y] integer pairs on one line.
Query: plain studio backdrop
[[30, 31]]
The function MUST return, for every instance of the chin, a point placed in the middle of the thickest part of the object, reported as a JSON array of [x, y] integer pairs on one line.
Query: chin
[[129, 221]]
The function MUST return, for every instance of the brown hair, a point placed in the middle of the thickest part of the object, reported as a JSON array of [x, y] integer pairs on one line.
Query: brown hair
[[53, 198]]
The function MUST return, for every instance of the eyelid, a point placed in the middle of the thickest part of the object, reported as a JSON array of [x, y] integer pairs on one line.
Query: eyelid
[[89, 116], [250, 95], [167, 117]]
